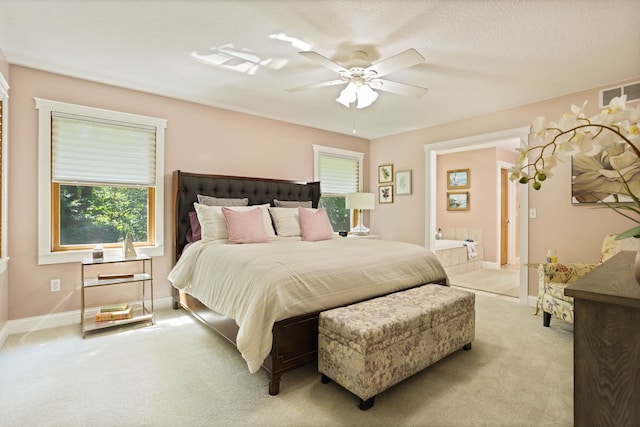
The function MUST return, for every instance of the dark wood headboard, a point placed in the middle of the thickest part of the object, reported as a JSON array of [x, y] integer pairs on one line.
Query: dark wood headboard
[[187, 186]]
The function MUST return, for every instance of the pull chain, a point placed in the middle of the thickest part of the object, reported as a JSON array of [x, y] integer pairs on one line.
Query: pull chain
[[354, 118]]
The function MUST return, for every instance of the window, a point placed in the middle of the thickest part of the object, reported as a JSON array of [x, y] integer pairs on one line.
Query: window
[[339, 172], [101, 175]]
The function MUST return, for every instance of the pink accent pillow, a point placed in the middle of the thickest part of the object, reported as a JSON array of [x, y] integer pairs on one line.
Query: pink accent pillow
[[245, 226], [315, 225]]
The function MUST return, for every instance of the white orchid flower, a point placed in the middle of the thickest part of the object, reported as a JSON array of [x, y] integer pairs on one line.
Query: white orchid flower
[[614, 113]]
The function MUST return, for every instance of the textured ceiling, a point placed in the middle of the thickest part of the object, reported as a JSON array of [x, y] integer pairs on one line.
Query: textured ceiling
[[481, 55]]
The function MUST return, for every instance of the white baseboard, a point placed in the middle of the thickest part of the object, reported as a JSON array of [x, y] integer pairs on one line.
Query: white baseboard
[[54, 320]]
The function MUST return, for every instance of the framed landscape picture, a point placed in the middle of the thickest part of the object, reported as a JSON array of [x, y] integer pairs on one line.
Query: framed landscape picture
[[458, 201], [385, 194], [458, 179], [385, 173]]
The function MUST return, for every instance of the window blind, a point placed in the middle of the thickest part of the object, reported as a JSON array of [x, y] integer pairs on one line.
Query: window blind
[[86, 150], [338, 175]]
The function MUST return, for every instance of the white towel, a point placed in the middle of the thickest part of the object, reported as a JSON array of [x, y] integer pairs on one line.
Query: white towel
[[471, 249]]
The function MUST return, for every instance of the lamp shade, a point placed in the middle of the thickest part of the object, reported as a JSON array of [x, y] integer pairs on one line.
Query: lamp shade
[[360, 201], [348, 95], [366, 96]]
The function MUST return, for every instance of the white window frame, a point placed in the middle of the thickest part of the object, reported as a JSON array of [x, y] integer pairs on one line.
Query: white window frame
[[45, 107], [4, 97], [331, 151], [354, 155]]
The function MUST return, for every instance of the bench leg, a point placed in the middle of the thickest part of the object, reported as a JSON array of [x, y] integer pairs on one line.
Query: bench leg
[[367, 404], [546, 319], [325, 379], [467, 347]]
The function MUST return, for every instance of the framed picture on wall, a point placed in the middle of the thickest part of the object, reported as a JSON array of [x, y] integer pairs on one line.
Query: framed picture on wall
[[458, 179], [385, 173], [385, 194], [458, 201], [403, 183]]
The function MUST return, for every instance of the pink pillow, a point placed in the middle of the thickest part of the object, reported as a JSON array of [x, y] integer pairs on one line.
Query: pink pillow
[[315, 225], [245, 226]]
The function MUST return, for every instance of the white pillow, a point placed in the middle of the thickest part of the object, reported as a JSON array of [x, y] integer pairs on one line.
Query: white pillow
[[287, 221], [214, 227]]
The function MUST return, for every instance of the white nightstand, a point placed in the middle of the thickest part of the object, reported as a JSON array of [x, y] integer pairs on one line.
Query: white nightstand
[[368, 236]]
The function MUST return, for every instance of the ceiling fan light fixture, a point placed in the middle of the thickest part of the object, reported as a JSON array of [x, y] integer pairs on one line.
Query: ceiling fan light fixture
[[348, 95], [357, 91], [366, 96]]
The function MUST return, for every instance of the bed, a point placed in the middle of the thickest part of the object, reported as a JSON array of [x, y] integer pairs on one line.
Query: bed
[[273, 320]]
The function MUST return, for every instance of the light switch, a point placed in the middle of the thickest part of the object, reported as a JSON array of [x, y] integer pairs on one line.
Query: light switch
[[533, 213]]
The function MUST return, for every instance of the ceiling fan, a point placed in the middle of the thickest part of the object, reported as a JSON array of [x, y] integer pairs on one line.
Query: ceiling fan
[[362, 77]]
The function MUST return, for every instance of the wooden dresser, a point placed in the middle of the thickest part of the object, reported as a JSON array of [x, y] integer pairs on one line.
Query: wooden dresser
[[607, 345]]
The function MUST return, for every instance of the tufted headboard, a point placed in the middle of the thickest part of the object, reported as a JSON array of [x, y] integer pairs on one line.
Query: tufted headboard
[[187, 186]]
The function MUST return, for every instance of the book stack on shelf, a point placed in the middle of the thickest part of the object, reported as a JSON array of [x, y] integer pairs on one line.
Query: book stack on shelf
[[114, 312]]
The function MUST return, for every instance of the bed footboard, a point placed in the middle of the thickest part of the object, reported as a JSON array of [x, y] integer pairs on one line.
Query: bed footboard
[[295, 343], [295, 340]]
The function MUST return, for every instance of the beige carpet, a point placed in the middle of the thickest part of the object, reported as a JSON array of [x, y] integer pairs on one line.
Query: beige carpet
[[502, 282], [178, 373]]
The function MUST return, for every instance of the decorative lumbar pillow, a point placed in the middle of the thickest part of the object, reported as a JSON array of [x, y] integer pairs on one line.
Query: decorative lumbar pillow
[[194, 233], [245, 226], [286, 221], [214, 227], [315, 224], [220, 201], [291, 203]]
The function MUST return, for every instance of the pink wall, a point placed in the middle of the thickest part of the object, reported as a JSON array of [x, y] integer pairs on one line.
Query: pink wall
[[482, 195], [198, 139], [576, 232], [207, 139]]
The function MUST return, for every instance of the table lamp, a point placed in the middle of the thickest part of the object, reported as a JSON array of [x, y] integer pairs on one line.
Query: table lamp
[[360, 201]]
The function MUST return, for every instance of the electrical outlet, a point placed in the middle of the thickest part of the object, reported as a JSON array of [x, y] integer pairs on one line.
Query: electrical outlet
[[55, 285]]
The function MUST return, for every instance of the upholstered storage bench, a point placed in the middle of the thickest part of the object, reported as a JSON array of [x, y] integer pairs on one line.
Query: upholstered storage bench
[[369, 346]]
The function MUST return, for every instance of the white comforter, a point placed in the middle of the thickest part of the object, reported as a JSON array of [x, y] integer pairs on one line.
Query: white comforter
[[259, 284]]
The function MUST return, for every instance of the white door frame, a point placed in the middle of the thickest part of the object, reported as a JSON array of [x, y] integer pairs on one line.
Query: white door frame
[[519, 136]]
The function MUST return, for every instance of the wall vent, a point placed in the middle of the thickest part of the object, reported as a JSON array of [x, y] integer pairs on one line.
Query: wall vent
[[632, 90]]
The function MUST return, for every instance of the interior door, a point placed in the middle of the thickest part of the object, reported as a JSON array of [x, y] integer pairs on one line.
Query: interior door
[[504, 217]]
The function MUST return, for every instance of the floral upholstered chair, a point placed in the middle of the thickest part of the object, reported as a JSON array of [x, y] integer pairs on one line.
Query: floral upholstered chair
[[554, 277]]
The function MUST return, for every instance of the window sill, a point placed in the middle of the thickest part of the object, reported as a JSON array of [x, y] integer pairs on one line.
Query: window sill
[[77, 256]]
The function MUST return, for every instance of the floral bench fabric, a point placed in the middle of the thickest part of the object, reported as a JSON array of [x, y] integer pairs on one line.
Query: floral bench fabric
[[370, 346]]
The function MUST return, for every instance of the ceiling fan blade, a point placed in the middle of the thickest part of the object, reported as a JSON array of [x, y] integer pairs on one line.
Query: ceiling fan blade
[[324, 61], [406, 59], [398, 88], [323, 84]]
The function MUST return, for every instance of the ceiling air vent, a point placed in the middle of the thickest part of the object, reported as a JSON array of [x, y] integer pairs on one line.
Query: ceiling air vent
[[632, 90]]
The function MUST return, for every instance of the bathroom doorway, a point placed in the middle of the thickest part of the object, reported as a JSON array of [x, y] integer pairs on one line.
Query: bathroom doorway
[[517, 240]]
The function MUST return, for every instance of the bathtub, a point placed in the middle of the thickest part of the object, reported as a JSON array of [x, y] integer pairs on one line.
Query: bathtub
[[448, 244], [452, 254]]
